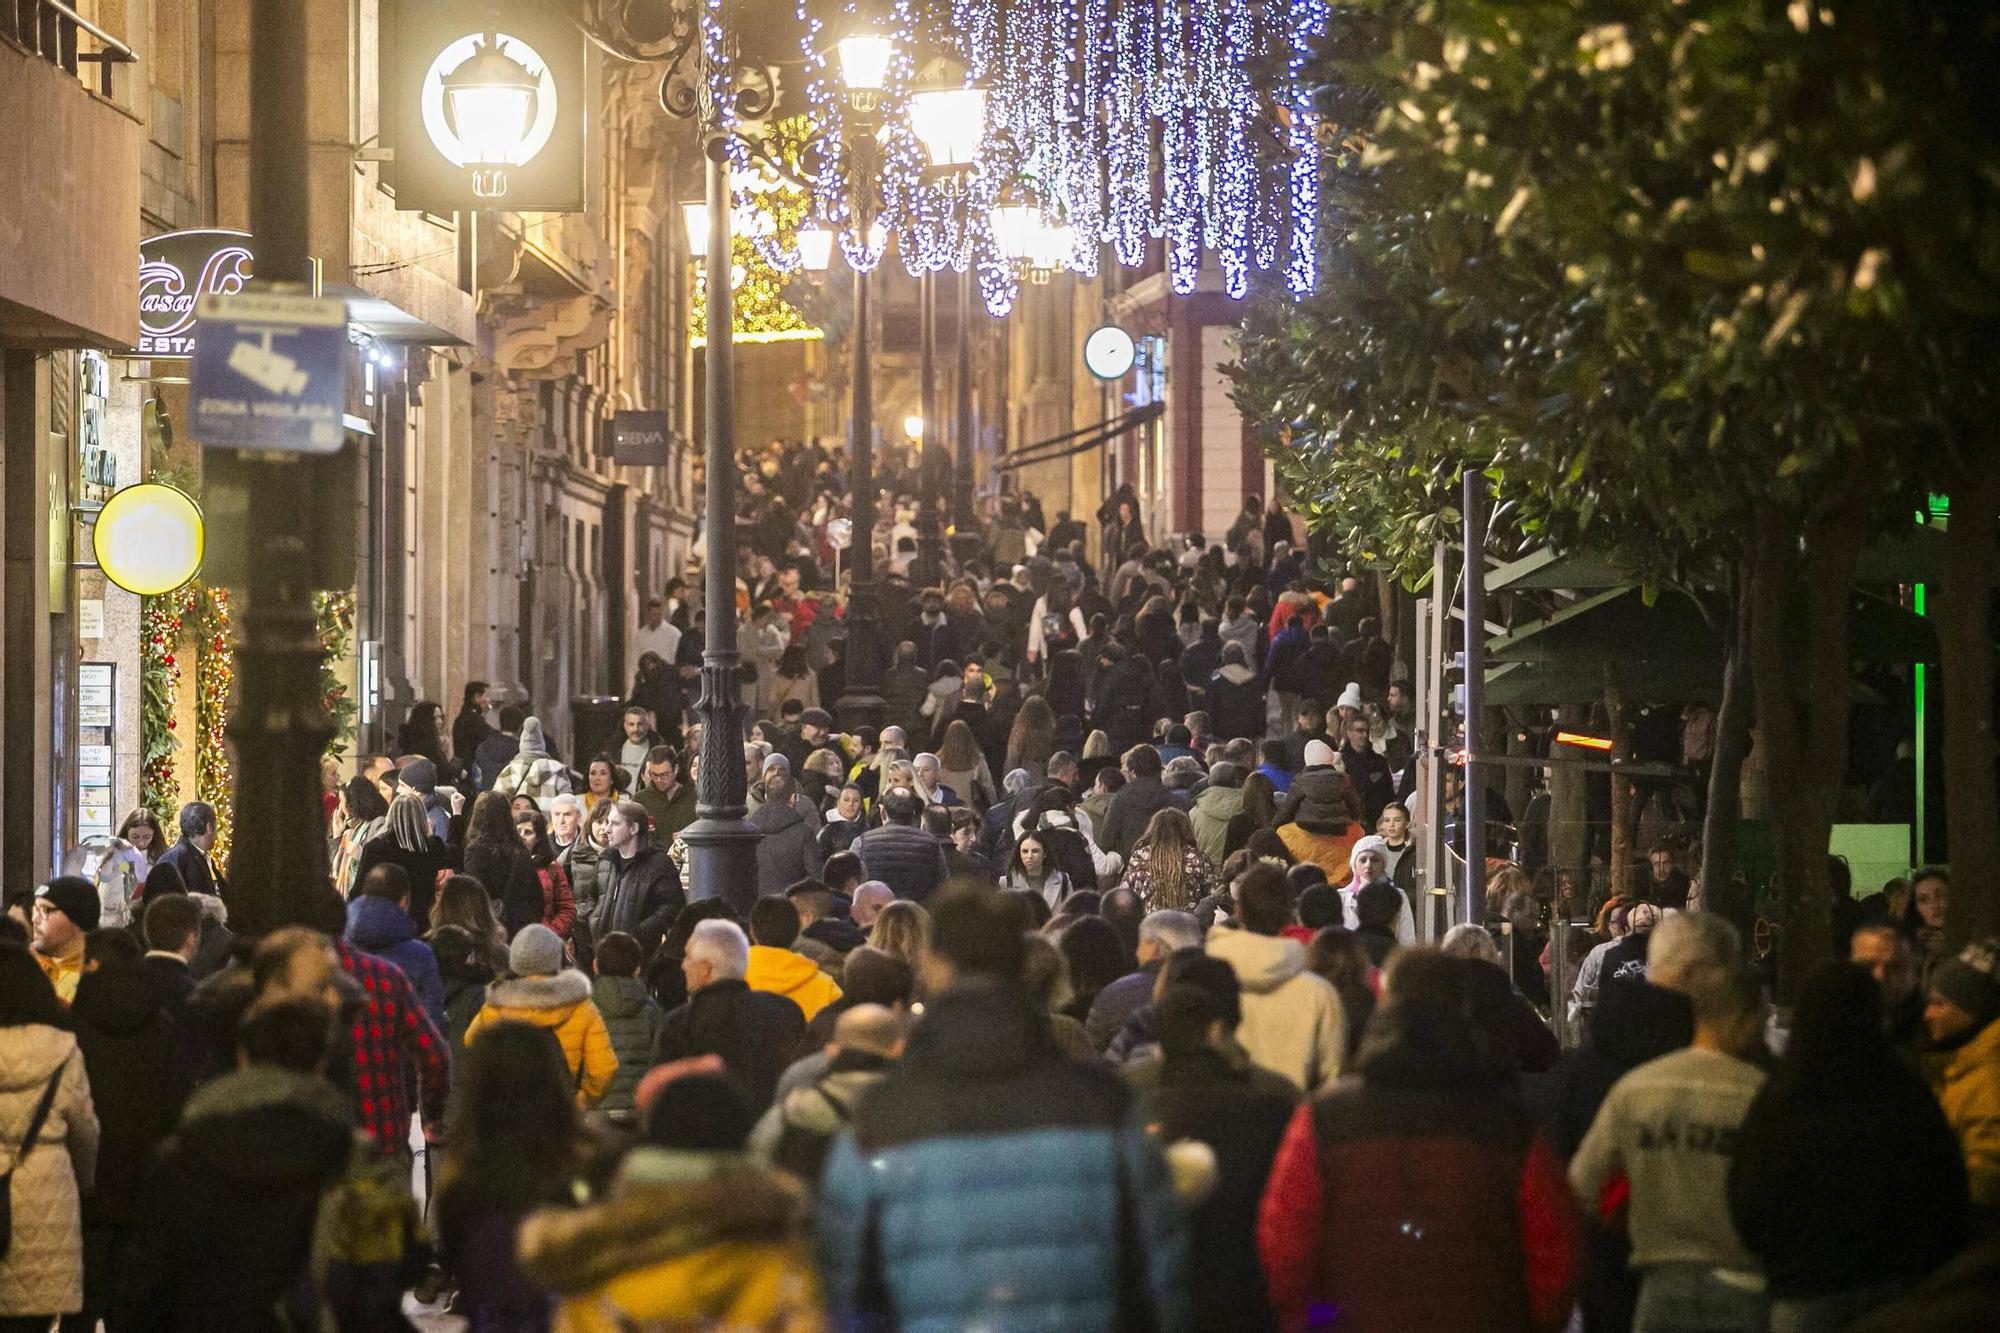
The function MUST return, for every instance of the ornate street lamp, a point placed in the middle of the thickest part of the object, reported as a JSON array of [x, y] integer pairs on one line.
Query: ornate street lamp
[[864, 55], [489, 103], [948, 116], [815, 244]]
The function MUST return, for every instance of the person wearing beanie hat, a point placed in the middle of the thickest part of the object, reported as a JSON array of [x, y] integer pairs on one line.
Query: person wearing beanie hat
[[533, 772], [66, 911], [543, 992], [419, 777], [1368, 866], [1316, 820], [1963, 1016]]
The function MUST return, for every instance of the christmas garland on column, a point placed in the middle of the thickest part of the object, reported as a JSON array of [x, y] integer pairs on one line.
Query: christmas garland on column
[[335, 614], [163, 620]]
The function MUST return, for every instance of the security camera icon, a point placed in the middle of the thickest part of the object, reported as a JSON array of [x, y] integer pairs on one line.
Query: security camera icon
[[271, 371]]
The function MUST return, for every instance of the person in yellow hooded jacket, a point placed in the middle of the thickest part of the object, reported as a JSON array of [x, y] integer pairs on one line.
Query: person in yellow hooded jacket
[[547, 995], [694, 1232], [775, 969]]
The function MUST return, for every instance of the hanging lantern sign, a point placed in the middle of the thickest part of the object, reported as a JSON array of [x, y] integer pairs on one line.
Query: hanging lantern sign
[[489, 105], [148, 538]]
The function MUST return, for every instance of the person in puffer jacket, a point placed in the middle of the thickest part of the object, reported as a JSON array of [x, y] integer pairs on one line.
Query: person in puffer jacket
[[990, 1183], [1429, 1157], [630, 1017], [545, 993], [1221, 802], [533, 772], [775, 969]]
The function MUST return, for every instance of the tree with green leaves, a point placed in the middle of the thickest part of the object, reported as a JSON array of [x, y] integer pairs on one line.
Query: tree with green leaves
[[1634, 263]]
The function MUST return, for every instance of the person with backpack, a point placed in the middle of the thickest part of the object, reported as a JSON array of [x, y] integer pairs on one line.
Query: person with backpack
[[796, 1134]]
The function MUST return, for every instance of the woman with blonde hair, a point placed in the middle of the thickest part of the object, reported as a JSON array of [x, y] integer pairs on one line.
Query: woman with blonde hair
[[903, 930], [1167, 869], [962, 767]]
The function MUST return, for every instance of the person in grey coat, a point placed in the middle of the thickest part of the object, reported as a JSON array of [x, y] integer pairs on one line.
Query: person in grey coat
[[789, 850]]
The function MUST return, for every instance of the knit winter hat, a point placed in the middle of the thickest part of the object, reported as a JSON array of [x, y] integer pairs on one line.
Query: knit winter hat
[[1319, 754], [1642, 918], [1350, 697], [531, 736], [1371, 843], [537, 952], [74, 897], [420, 776], [1972, 979]]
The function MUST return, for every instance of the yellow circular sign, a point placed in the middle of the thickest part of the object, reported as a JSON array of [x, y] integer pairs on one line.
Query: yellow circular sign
[[149, 538]]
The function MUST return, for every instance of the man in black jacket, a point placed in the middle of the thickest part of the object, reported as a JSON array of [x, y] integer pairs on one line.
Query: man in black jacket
[[638, 888], [788, 851], [1137, 801], [1367, 770], [901, 854], [753, 1032]]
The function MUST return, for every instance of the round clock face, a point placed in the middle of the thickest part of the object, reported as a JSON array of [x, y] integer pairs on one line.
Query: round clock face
[[1108, 353]]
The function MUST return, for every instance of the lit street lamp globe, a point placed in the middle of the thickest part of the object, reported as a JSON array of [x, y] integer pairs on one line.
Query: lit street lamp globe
[[490, 104], [950, 122], [815, 248]]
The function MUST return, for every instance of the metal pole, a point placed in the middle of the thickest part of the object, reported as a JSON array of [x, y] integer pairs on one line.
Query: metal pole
[[278, 866], [930, 524], [861, 704], [1474, 804], [962, 507], [722, 847]]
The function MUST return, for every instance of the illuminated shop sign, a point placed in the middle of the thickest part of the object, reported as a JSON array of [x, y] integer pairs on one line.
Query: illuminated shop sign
[[175, 271]]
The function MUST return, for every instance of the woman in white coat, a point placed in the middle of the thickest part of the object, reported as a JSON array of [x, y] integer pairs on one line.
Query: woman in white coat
[[42, 1274]]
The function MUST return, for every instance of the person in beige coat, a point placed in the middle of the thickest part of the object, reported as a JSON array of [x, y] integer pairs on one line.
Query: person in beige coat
[[42, 1274], [1293, 1022]]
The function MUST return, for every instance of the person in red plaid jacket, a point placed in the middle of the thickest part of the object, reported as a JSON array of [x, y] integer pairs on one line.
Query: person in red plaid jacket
[[396, 1047]]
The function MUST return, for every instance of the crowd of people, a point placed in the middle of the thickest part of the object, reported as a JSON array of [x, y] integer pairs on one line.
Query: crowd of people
[[1082, 988]]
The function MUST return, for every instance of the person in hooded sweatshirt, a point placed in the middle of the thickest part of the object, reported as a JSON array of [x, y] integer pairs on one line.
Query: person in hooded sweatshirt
[[548, 995], [1293, 1023], [378, 922], [138, 1080], [1368, 863], [775, 968]]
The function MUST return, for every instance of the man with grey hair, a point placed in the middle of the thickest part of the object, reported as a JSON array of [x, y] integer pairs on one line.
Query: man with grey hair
[[1160, 933], [1020, 790], [1063, 768], [1692, 951], [869, 900], [752, 1032]]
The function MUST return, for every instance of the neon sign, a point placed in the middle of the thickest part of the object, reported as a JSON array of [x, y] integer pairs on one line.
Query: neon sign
[[177, 269]]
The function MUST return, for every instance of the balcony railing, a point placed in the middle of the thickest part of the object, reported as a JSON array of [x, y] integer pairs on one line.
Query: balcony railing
[[52, 30]]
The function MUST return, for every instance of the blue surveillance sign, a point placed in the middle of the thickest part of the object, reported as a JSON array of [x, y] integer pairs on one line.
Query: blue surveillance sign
[[270, 372]]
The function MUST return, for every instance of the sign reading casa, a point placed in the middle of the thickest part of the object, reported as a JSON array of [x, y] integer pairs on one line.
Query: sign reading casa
[[175, 271]]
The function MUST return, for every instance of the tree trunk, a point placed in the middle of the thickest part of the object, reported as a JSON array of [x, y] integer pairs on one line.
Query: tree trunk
[[1805, 739], [1620, 870], [1721, 828], [1965, 643]]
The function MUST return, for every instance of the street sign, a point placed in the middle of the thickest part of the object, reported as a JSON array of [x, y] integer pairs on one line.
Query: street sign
[[270, 372]]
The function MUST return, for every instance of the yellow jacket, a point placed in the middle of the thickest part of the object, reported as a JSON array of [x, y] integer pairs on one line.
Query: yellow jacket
[[792, 975], [63, 973], [1969, 1091], [560, 1003], [724, 1251]]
